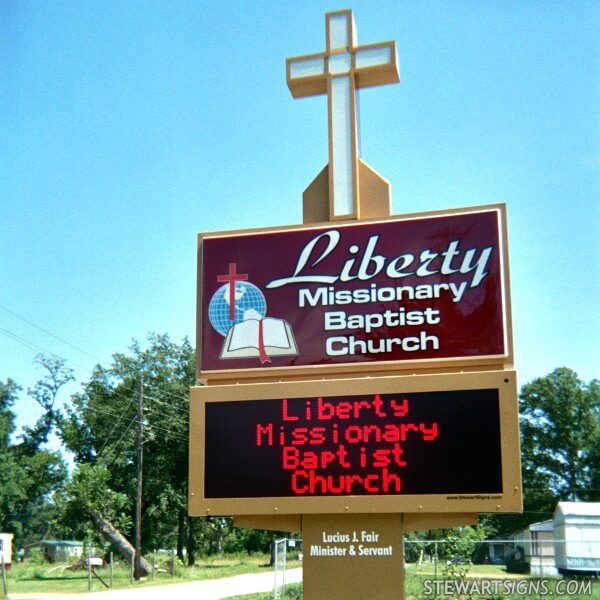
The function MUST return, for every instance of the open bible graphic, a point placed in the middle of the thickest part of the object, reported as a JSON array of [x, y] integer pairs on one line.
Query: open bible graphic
[[261, 338]]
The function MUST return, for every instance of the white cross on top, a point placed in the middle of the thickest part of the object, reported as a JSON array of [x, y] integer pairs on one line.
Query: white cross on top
[[339, 72]]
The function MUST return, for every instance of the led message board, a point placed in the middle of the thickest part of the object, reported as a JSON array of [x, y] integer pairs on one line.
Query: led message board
[[387, 444], [395, 293]]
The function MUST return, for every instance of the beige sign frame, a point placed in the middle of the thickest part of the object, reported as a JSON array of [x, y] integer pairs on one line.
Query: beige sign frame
[[510, 500], [458, 364]]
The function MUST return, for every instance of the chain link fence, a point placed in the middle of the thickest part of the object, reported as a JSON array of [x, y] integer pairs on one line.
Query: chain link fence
[[536, 556], [540, 555]]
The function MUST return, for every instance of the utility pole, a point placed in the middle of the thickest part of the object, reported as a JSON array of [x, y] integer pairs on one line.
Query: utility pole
[[137, 567]]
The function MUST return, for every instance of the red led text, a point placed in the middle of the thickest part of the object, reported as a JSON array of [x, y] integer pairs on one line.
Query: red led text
[[334, 447]]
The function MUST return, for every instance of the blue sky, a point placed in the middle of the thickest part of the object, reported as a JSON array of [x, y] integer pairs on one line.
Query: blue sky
[[128, 127]]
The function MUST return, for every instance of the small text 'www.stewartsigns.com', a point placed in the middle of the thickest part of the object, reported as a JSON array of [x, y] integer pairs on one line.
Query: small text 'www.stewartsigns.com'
[[505, 587]]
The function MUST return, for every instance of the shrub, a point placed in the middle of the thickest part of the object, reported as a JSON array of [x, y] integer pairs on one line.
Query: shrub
[[35, 556], [515, 562]]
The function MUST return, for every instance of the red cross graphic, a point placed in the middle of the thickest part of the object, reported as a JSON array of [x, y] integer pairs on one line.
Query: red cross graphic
[[232, 277]]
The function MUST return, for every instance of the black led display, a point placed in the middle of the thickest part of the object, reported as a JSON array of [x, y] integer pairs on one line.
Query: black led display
[[445, 442]]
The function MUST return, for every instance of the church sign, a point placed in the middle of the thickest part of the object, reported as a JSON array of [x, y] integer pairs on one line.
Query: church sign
[[356, 370], [401, 292], [391, 444]]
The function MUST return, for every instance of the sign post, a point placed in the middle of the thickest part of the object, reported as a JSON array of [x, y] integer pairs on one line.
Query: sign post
[[353, 556], [357, 369]]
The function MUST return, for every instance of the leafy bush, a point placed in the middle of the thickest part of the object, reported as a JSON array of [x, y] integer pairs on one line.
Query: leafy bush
[[515, 562], [480, 553], [35, 556]]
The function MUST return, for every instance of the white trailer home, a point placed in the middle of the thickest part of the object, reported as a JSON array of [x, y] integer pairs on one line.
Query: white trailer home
[[536, 540], [539, 552], [577, 537]]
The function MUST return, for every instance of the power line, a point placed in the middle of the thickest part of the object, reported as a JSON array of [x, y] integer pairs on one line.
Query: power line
[[58, 338], [115, 446], [119, 394], [177, 396], [158, 412], [133, 403], [163, 402], [39, 349], [110, 435], [105, 411], [27, 344], [14, 314]]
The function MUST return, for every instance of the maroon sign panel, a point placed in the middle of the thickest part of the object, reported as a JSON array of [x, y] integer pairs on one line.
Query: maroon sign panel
[[407, 289]]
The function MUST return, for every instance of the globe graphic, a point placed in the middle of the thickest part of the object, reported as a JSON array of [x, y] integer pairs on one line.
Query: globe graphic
[[249, 304]]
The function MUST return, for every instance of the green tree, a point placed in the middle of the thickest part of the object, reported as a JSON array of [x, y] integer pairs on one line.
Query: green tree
[[12, 492], [46, 393], [593, 494], [99, 429], [90, 498], [30, 475], [448, 543], [559, 421], [560, 435]]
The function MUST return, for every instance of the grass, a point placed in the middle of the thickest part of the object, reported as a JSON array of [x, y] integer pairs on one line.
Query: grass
[[26, 578], [478, 570], [291, 592], [415, 586]]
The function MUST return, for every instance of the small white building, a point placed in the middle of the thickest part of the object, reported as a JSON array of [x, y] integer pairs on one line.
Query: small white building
[[577, 537], [62, 550], [537, 541], [499, 549], [58, 550], [540, 551], [6, 549]]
